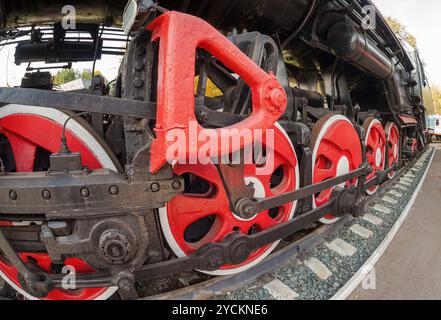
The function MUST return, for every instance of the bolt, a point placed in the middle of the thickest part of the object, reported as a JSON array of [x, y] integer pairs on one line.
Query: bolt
[[46, 195], [155, 187], [176, 185], [138, 83], [249, 211], [113, 190], [85, 193], [202, 117], [139, 66], [13, 195], [277, 98]]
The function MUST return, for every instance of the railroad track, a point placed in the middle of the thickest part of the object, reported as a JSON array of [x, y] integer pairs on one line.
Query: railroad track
[[357, 243]]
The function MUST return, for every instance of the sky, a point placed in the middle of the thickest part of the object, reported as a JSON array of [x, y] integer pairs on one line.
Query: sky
[[421, 18]]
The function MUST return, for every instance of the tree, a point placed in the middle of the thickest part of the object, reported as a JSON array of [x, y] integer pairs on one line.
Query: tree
[[64, 76], [87, 74], [436, 96], [67, 75], [400, 29]]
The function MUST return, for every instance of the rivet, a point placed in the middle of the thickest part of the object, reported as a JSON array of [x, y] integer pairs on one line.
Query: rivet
[[155, 187], [85, 193], [176, 185], [13, 195], [138, 83], [46, 195], [113, 190]]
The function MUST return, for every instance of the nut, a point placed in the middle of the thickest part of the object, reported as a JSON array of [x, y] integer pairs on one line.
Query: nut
[[85, 193], [13, 195], [155, 187], [113, 190], [46, 195]]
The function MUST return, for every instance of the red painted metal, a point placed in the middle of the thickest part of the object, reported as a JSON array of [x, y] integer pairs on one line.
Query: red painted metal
[[336, 151], [44, 262], [375, 149], [180, 35], [414, 146], [186, 209], [26, 132], [408, 120], [393, 141]]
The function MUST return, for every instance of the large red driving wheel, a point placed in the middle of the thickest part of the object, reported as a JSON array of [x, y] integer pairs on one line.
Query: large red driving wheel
[[375, 149], [336, 151], [202, 215], [393, 142], [29, 130]]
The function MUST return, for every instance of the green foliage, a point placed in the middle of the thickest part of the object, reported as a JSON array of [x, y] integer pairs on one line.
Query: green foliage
[[67, 75], [400, 29], [64, 76], [87, 74]]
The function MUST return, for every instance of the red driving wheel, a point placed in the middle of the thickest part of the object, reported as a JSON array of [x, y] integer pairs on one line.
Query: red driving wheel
[[393, 142], [336, 151], [34, 132], [375, 149], [202, 214]]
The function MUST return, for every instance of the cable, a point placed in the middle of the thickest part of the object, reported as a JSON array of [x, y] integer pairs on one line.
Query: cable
[[64, 149], [304, 21], [333, 84], [98, 40]]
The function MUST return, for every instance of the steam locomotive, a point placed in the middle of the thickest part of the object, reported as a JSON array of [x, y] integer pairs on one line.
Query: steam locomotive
[[89, 191]]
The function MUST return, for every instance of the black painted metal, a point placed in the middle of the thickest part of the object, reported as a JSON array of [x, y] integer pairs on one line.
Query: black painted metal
[[78, 102], [69, 198]]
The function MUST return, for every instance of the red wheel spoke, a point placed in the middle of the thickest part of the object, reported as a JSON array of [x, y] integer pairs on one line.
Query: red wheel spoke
[[371, 143], [330, 150], [323, 174], [207, 173], [24, 152], [370, 158], [264, 221], [195, 208]]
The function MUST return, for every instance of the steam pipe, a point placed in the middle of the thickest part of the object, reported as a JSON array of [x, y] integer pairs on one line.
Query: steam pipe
[[350, 45]]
